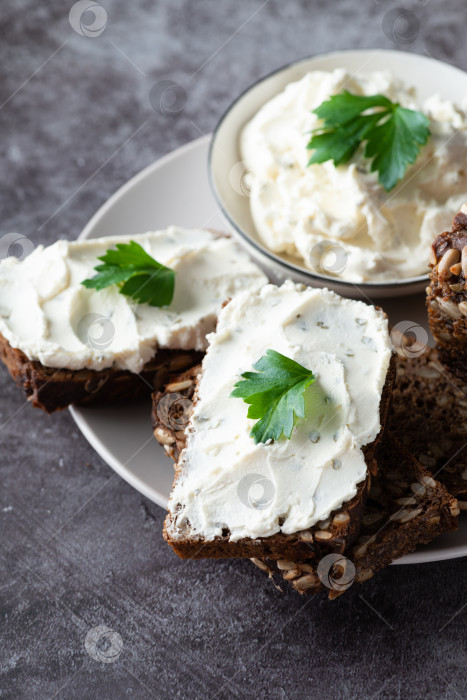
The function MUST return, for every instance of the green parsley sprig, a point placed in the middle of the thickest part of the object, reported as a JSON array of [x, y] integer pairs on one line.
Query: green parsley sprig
[[136, 272], [275, 393], [393, 134]]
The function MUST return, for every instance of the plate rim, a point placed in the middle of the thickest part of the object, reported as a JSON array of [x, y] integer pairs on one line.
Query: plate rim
[[137, 178], [113, 462], [79, 413]]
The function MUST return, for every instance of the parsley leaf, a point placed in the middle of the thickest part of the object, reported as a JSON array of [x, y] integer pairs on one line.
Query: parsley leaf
[[275, 393], [138, 274], [393, 134]]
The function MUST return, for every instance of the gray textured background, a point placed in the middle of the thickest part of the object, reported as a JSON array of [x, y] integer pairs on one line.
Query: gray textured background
[[79, 547]]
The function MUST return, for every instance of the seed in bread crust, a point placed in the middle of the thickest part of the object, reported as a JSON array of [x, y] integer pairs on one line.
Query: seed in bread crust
[[306, 583], [454, 509], [341, 519], [428, 481], [406, 501], [399, 515], [433, 520], [411, 515], [450, 308], [170, 451], [291, 574], [451, 257], [464, 261], [322, 535], [164, 436], [418, 489], [427, 372], [261, 565], [306, 567], [361, 549], [324, 524], [306, 536], [178, 386], [463, 308], [456, 269], [285, 565]]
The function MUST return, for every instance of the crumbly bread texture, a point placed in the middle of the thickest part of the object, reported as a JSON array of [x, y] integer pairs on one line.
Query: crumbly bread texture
[[429, 416], [171, 410], [333, 535], [447, 295], [53, 389], [406, 507]]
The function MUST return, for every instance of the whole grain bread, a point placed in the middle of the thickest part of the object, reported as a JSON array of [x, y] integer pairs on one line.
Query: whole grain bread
[[447, 296], [406, 507], [429, 416], [334, 535], [53, 389]]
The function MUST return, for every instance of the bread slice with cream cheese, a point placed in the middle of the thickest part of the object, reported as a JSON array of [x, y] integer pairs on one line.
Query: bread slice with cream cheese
[[285, 498], [64, 343]]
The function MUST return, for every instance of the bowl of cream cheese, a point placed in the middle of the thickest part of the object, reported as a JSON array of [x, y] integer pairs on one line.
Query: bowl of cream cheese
[[336, 226]]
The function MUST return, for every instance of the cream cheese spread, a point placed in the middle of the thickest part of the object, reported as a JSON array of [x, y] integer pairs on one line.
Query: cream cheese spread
[[47, 313], [229, 483], [339, 220]]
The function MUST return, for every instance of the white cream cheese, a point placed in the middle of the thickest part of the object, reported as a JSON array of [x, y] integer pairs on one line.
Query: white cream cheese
[[47, 313], [301, 211], [228, 482]]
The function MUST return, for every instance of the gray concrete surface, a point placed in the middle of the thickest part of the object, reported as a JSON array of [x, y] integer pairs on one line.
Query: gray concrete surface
[[79, 548]]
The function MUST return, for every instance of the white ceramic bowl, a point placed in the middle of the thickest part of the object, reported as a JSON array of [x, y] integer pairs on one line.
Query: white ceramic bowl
[[226, 169]]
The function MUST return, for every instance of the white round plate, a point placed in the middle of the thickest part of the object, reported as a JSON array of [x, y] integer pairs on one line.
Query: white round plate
[[175, 190]]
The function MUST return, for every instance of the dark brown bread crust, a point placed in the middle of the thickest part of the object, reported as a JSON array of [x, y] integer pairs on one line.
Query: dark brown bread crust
[[342, 527], [54, 389], [406, 507], [429, 416], [333, 535], [447, 296]]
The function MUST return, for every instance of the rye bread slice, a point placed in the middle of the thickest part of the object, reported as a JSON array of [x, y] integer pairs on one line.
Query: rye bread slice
[[406, 507], [429, 417], [52, 389], [447, 296], [171, 415]]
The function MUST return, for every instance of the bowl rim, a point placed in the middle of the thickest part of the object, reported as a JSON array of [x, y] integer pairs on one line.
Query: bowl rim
[[290, 266]]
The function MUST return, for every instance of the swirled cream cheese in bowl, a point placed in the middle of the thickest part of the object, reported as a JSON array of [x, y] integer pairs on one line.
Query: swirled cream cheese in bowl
[[47, 314], [346, 345], [340, 221]]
